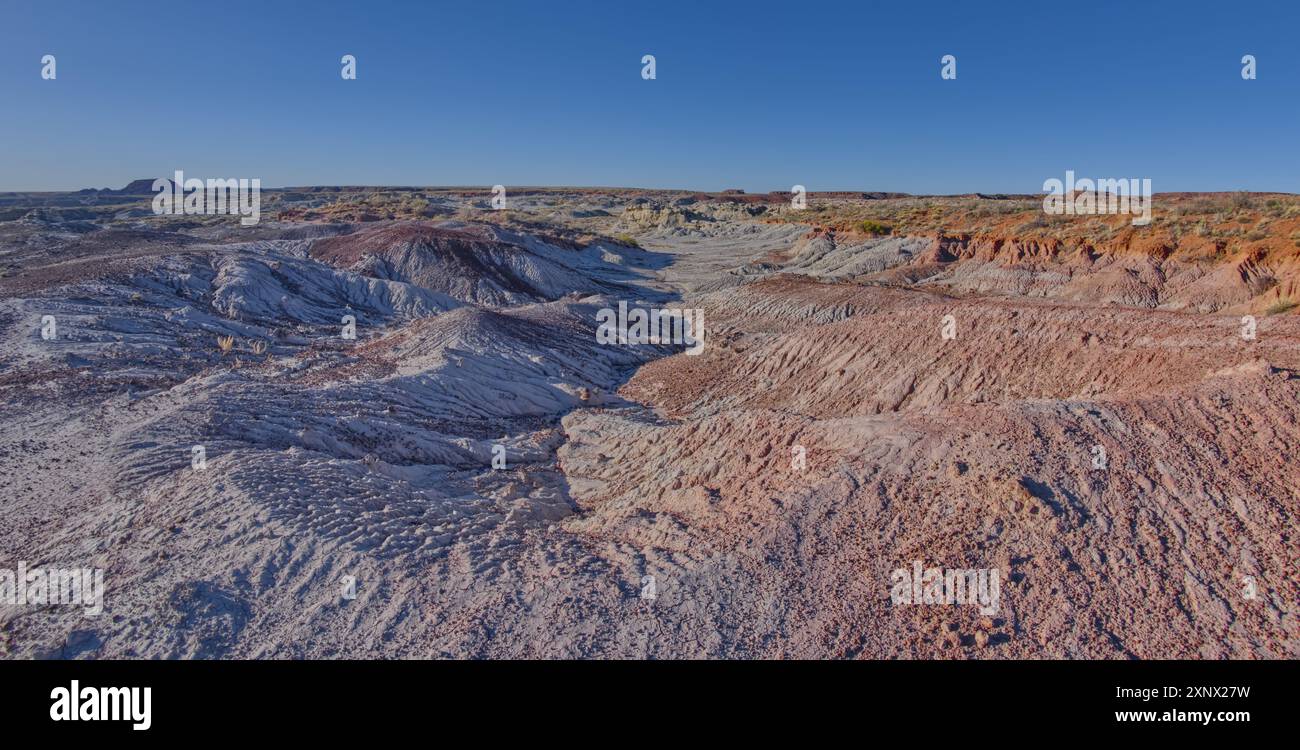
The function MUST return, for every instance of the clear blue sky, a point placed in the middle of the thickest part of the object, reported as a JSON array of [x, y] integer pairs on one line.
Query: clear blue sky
[[756, 95]]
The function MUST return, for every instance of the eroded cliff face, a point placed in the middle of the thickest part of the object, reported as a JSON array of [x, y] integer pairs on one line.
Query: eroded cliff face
[[1254, 281], [1234, 253]]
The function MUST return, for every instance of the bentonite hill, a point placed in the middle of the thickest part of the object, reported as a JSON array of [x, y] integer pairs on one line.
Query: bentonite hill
[[1104, 414]]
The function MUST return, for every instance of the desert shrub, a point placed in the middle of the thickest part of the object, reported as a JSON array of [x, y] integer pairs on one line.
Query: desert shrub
[[869, 226], [1038, 221], [1281, 306], [1198, 206]]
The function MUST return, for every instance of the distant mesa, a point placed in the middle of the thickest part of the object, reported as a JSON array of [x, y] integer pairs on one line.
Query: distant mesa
[[140, 187], [135, 187]]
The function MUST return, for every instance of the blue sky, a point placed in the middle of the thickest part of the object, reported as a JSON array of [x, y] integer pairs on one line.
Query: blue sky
[[754, 95]]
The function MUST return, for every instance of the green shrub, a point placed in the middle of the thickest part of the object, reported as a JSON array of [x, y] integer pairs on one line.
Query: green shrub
[[1281, 306]]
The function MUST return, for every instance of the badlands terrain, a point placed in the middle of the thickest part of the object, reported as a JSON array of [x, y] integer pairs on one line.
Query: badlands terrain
[[1106, 415]]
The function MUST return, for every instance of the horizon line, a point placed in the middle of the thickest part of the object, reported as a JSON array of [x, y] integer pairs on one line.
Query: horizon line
[[992, 194]]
